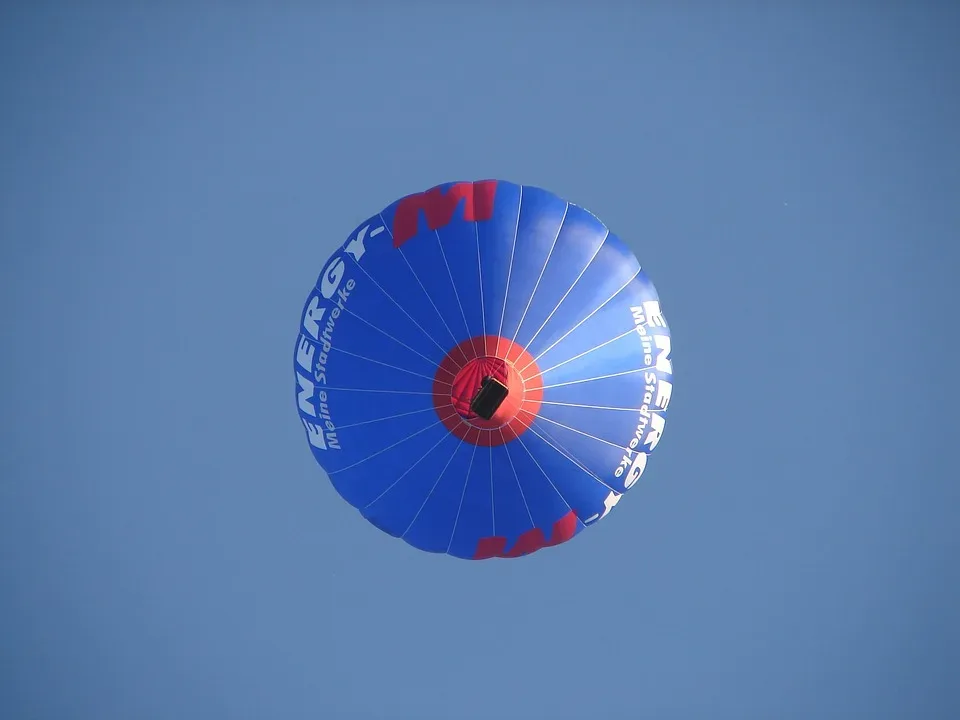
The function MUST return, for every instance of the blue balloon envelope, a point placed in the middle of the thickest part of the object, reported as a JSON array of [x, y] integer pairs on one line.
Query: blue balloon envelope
[[483, 369]]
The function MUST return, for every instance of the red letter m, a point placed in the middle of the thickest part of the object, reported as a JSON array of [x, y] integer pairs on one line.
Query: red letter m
[[439, 207], [529, 542]]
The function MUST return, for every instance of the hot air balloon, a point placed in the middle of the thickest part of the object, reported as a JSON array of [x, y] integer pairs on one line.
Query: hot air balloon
[[483, 369]]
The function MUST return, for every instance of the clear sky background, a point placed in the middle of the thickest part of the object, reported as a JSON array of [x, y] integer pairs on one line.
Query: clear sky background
[[171, 182]]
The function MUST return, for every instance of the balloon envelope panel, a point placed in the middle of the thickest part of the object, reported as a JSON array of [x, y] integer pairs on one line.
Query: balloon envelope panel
[[483, 369]]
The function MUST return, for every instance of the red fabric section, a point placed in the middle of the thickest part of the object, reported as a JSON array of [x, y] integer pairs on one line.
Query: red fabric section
[[458, 379]]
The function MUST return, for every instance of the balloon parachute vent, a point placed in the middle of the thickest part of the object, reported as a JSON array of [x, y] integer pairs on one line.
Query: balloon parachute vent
[[490, 397]]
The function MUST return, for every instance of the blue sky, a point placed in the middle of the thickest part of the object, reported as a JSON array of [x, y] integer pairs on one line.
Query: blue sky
[[172, 181]]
